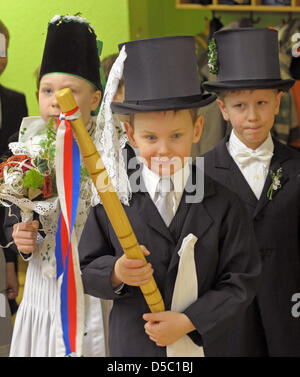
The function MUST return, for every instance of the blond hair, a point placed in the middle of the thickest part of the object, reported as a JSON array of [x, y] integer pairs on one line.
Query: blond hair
[[193, 112]]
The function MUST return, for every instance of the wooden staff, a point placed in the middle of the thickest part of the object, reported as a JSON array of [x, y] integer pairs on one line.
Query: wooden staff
[[109, 198]]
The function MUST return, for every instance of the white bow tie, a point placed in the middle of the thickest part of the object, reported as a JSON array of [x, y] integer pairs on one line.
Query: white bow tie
[[244, 157]]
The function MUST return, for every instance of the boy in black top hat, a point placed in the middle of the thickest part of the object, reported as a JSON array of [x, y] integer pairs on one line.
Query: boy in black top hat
[[182, 228], [265, 175]]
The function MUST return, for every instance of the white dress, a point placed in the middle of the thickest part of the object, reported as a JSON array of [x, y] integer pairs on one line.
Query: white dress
[[37, 329]]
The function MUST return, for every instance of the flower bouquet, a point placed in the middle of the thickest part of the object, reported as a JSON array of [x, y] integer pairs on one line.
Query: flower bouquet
[[27, 178]]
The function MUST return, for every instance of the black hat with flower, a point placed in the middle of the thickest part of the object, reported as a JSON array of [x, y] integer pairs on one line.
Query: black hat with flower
[[245, 58], [71, 47]]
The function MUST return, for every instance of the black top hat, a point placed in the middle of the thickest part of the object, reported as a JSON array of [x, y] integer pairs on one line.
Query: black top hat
[[161, 74], [246, 58], [71, 48]]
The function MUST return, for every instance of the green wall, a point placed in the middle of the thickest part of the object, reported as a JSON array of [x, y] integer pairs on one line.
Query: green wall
[[139, 19], [27, 23]]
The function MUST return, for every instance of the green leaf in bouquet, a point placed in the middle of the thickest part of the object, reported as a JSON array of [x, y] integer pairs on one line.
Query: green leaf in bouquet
[[23, 131], [41, 164], [52, 151], [51, 134], [33, 179]]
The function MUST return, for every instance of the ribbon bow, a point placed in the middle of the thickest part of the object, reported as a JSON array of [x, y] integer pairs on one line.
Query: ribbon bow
[[244, 157]]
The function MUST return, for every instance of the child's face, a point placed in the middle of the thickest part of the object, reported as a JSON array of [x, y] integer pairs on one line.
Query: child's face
[[164, 139], [251, 113], [85, 96]]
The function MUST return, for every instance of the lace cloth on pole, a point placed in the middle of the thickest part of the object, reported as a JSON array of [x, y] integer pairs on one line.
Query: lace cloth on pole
[[106, 136]]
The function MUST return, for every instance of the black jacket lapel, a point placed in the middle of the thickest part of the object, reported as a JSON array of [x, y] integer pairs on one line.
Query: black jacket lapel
[[281, 154], [189, 225], [230, 174], [149, 213]]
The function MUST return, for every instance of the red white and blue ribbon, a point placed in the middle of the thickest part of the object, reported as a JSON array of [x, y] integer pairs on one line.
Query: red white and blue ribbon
[[66, 251]]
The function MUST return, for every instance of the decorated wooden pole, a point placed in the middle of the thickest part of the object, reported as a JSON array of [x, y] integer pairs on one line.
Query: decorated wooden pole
[[109, 198]]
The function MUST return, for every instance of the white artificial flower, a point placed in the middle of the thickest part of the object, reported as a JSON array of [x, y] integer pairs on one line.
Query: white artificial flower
[[68, 17], [56, 18], [276, 183], [82, 20], [14, 181]]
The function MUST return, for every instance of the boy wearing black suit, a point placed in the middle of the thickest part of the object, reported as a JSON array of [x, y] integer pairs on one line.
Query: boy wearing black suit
[[265, 174], [178, 227]]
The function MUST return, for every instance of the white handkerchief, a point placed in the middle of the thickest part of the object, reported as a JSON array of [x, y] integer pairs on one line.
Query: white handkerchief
[[185, 293], [2, 46], [2, 305]]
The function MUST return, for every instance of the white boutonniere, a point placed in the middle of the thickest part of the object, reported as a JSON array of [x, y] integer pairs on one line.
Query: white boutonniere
[[276, 184]]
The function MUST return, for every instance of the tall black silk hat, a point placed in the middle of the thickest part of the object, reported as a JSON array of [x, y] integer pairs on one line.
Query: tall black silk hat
[[71, 48], [161, 74], [245, 58]]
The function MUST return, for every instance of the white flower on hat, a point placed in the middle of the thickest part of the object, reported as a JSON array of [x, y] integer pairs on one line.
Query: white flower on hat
[[56, 18], [82, 20], [69, 18]]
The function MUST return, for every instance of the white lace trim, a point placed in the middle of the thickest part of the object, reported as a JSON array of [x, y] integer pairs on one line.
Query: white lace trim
[[106, 136], [17, 148]]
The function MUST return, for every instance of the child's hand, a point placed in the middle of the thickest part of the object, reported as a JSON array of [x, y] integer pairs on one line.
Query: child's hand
[[165, 328], [24, 236], [132, 271]]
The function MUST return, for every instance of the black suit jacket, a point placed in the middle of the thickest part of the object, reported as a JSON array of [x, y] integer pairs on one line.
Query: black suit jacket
[[226, 258], [14, 109], [268, 327]]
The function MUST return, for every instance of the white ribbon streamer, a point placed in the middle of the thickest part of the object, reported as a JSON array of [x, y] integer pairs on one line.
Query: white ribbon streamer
[[185, 293]]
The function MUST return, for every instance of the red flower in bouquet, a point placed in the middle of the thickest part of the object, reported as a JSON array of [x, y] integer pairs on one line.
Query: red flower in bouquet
[[21, 160]]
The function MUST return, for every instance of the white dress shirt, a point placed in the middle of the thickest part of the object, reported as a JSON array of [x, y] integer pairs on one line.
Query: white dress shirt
[[255, 170], [179, 180]]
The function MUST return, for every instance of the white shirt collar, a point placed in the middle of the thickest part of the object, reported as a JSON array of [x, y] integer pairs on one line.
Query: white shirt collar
[[179, 180]]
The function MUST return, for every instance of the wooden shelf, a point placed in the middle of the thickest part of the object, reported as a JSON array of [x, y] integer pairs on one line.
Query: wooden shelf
[[254, 6]]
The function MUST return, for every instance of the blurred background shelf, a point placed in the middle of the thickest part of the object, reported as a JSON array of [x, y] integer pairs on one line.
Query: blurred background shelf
[[253, 6]]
